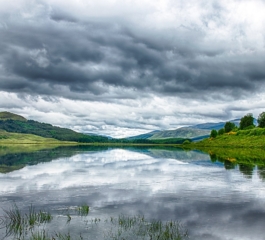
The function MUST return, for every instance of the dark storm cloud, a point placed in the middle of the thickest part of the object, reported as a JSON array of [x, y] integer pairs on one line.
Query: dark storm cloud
[[58, 16], [58, 54]]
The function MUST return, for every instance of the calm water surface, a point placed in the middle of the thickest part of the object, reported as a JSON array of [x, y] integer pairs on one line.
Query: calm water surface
[[165, 184]]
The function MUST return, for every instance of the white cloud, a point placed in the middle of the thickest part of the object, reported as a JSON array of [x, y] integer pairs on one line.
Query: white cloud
[[222, 39], [130, 117]]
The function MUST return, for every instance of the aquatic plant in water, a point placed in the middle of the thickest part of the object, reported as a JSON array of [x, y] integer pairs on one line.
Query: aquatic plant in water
[[83, 210], [18, 224], [21, 226], [140, 228]]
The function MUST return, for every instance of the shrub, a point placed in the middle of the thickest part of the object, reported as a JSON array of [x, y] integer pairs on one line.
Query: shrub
[[221, 131], [213, 133], [229, 126], [246, 122]]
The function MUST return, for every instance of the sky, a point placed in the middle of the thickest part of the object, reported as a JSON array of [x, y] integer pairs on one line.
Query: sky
[[122, 67]]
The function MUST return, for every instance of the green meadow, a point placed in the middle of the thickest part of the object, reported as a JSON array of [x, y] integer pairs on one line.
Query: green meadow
[[21, 138], [251, 138]]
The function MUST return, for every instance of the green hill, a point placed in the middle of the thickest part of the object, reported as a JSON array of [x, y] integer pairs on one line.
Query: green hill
[[11, 116], [183, 132], [10, 123], [214, 125], [251, 138], [143, 136], [180, 133], [14, 138]]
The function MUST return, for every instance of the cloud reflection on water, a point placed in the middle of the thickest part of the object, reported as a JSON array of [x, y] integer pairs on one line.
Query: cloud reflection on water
[[102, 168], [212, 202]]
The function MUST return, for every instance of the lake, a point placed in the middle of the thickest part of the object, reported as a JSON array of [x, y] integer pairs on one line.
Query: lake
[[211, 199]]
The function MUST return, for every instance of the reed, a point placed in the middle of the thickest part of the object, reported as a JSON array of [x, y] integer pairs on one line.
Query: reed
[[83, 210], [14, 221], [22, 227], [139, 228], [18, 224]]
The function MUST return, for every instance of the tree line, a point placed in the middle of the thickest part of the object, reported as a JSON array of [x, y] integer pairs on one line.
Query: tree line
[[246, 122]]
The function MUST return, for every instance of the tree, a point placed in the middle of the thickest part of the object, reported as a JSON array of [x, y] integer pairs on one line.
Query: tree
[[213, 133], [229, 126], [246, 121], [221, 131], [261, 120]]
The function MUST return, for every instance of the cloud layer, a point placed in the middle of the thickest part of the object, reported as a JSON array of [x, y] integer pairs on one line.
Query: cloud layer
[[124, 53]]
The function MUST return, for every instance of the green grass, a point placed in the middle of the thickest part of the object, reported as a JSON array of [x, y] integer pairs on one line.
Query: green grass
[[48, 131], [252, 138], [7, 116], [244, 148], [21, 138]]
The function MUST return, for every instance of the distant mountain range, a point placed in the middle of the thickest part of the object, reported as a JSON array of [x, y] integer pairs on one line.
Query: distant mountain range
[[194, 132], [184, 132], [143, 136], [216, 126]]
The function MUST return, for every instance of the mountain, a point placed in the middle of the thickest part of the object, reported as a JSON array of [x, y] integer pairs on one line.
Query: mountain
[[216, 126], [100, 135], [219, 125], [194, 132], [143, 136], [184, 132], [11, 116], [17, 124]]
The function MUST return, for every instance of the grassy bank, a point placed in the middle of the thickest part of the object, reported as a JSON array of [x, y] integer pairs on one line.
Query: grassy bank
[[253, 138], [21, 138], [244, 149]]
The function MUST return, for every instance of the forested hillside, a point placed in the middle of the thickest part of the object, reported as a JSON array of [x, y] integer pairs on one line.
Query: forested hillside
[[47, 131]]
